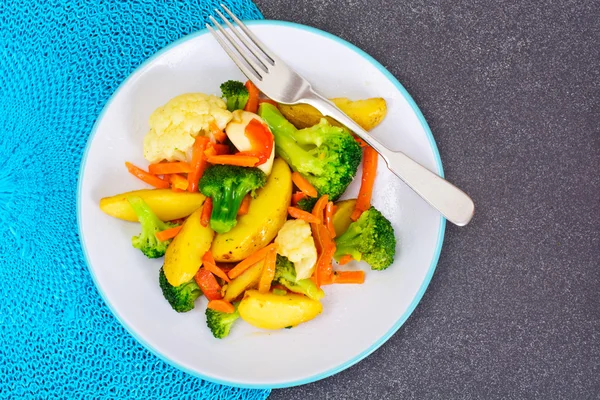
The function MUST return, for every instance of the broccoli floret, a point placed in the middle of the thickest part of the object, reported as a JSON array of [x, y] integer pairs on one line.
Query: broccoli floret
[[235, 94], [327, 156], [151, 225], [285, 274], [371, 238], [227, 185], [220, 323], [181, 297]]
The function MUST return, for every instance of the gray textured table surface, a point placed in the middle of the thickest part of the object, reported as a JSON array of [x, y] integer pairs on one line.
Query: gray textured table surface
[[511, 92]]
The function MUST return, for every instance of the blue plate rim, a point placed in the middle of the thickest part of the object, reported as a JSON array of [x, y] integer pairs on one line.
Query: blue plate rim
[[417, 297]]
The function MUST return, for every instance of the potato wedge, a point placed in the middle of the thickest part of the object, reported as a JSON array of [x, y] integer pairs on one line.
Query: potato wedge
[[246, 280], [341, 218], [367, 113], [271, 311], [184, 255], [266, 215], [165, 203]]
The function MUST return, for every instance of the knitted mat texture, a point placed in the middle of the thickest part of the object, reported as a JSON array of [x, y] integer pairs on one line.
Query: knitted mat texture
[[60, 61]]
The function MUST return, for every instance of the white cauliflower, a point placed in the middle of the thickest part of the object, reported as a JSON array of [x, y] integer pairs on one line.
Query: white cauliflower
[[295, 242], [174, 126]]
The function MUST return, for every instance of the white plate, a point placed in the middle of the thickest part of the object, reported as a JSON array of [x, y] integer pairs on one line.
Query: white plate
[[357, 319]]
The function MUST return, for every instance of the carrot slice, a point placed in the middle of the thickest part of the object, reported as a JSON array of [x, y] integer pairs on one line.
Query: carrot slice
[[268, 272], [345, 277], [179, 182], [361, 142], [345, 259], [304, 185], [210, 151], [253, 92], [198, 163], [209, 263], [233, 159], [300, 214], [146, 177], [296, 197], [222, 306], [220, 148], [206, 212], [363, 202], [260, 101], [324, 266], [329, 210], [250, 261], [168, 233], [319, 207], [245, 205], [208, 284], [177, 167], [217, 133]]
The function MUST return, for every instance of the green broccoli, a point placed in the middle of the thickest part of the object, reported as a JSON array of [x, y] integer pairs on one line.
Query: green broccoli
[[181, 297], [371, 238], [151, 225], [220, 323], [285, 274], [327, 156], [227, 185], [235, 94]]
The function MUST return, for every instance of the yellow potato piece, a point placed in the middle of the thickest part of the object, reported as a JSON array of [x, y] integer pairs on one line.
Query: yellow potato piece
[[368, 113], [247, 280], [341, 219], [184, 255], [271, 311], [266, 215], [165, 203]]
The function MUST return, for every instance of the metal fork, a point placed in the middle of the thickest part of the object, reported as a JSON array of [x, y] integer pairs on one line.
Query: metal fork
[[278, 81]]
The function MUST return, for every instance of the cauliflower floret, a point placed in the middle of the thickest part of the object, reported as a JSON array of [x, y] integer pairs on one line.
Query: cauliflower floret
[[174, 126], [295, 242]]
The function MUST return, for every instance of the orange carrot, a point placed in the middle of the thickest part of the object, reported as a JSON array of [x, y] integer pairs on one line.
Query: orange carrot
[[245, 205], [296, 197], [260, 101], [253, 92], [233, 159], [217, 133], [363, 202], [345, 277], [222, 306], [176, 167], [210, 151], [329, 210], [361, 142], [268, 271], [324, 266], [300, 214], [206, 212], [345, 259], [179, 182], [168, 233], [146, 177], [208, 284], [318, 212], [220, 149], [209, 263], [304, 185], [198, 163], [249, 261]]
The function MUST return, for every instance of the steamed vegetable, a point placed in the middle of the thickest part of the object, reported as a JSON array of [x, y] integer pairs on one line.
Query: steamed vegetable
[[295, 242], [227, 186], [341, 217], [285, 274], [180, 297], [220, 323], [235, 94], [370, 238], [250, 135], [147, 242], [247, 280]]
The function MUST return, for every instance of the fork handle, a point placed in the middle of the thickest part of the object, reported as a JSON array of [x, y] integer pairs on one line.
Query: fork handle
[[450, 201]]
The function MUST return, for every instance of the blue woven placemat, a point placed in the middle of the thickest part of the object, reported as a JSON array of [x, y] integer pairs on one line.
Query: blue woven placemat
[[60, 60]]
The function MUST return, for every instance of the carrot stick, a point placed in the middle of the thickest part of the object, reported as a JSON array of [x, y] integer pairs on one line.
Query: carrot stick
[[345, 277], [176, 167], [208, 284], [146, 177], [168, 233], [233, 159], [198, 163], [345, 259], [220, 148], [217, 133], [324, 266], [361, 142], [209, 263], [363, 202], [300, 214], [250, 261], [268, 271], [319, 207], [179, 182], [206, 212], [222, 306], [260, 101], [253, 92], [296, 197], [210, 151], [329, 210], [245, 205], [304, 185]]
